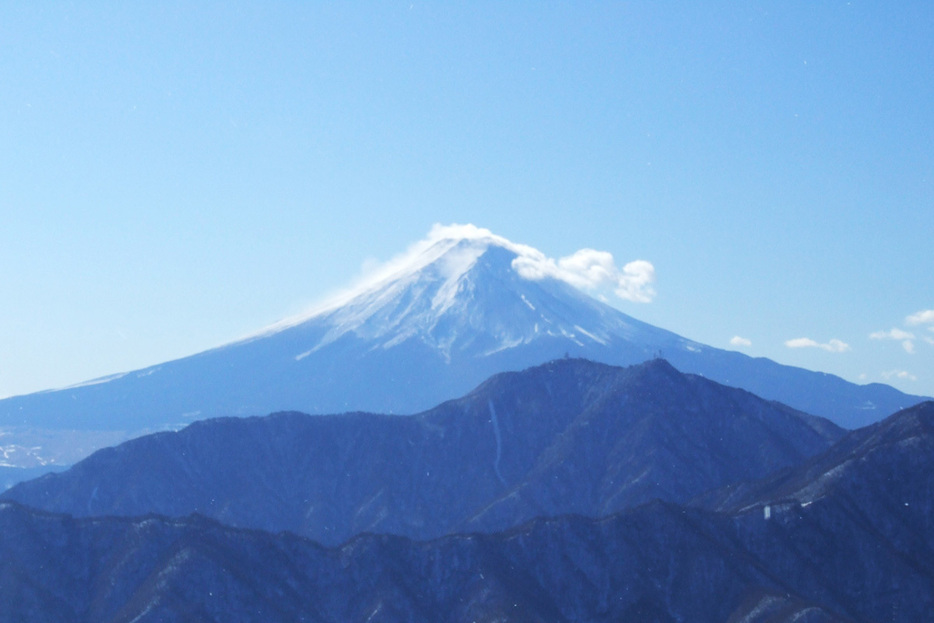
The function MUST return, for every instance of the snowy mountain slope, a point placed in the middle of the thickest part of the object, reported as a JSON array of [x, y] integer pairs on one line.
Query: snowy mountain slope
[[456, 309]]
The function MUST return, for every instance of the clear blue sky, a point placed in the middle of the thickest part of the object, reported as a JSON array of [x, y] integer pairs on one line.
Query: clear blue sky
[[173, 176]]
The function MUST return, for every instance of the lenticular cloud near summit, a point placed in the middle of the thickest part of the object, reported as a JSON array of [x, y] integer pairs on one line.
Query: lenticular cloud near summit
[[589, 269], [586, 269]]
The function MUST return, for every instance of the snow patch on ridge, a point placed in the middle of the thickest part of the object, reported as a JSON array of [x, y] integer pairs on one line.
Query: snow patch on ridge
[[499, 442], [97, 381], [590, 335], [505, 345]]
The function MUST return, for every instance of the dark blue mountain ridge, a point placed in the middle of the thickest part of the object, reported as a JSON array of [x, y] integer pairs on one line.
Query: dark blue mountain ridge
[[452, 314], [570, 436], [844, 537], [869, 456], [155, 569], [863, 509]]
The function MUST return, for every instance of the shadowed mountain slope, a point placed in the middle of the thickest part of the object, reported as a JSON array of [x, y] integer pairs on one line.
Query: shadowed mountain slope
[[865, 473], [571, 436], [863, 509], [659, 562]]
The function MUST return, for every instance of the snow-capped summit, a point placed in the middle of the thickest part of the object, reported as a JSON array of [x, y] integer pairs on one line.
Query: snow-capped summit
[[428, 326], [466, 292]]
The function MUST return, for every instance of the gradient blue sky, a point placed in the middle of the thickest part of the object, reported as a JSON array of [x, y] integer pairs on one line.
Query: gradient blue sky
[[175, 175]]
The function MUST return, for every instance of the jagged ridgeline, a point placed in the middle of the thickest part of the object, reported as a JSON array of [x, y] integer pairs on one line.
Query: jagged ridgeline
[[571, 436]]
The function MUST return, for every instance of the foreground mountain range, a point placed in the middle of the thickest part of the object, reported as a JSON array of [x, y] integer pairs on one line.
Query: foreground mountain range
[[840, 531], [571, 436], [458, 308]]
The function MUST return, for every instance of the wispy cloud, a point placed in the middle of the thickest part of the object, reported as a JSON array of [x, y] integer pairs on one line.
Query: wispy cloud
[[899, 374], [905, 337], [589, 269], [740, 341], [922, 317], [892, 334], [833, 346]]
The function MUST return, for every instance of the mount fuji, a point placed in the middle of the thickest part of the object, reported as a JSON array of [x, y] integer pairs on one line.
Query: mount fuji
[[457, 308]]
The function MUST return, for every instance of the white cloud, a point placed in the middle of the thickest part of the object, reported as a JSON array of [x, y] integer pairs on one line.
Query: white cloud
[[740, 341], [836, 346], [892, 334], [833, 346], [922, 317], [899, 374], [801, 342], [589, 269], [905, 337]]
